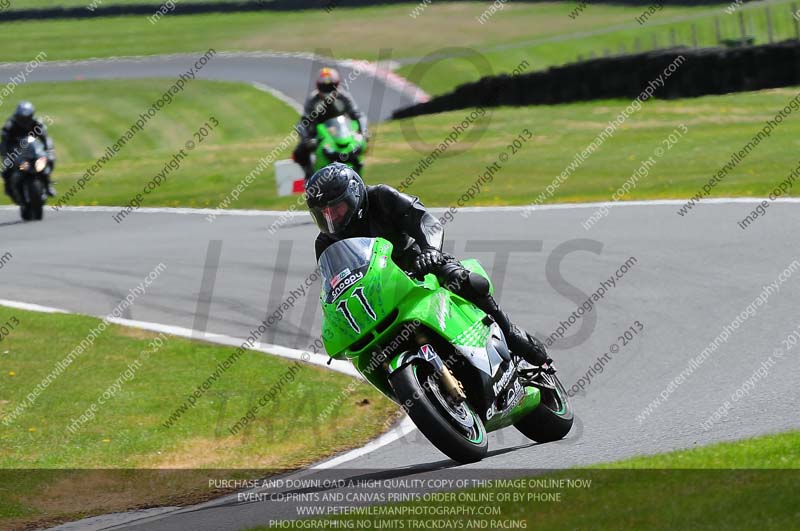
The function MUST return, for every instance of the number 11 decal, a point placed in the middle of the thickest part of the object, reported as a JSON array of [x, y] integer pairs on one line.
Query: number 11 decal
[[359, 292], [342, 307]]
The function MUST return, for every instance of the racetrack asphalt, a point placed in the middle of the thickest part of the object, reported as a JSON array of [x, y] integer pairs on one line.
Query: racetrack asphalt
[[692, 276], [378, 91]]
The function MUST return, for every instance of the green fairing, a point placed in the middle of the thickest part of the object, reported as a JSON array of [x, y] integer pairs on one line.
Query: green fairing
[[388, 287], [398, 302], [339, 139], [528, 404]]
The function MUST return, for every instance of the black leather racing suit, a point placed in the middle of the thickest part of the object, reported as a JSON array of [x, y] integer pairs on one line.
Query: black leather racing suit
[[404, 221], [320, 108], [10, 138]]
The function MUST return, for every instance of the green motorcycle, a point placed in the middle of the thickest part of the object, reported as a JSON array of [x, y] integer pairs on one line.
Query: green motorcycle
[[444, 361], [339, 140]]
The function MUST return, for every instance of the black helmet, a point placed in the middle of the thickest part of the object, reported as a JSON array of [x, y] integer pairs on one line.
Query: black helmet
[[23, 115], [334, 195], [327, 80]]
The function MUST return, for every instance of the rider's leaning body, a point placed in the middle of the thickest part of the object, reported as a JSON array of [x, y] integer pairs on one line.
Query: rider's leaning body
[[344, 207], [326, 102]]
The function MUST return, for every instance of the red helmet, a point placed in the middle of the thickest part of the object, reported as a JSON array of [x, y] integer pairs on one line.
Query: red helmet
[[328, 80]]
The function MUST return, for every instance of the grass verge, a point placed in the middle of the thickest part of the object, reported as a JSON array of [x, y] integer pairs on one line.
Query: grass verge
[[734, 486], [695, 138], [600, 29], [347, 32], [87, 117], [123, 456], [715, 127], [38, 4], [534, 35]]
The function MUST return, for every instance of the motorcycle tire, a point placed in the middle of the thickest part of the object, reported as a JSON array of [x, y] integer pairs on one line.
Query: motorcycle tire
[[34, 209], [458, 432], [552, 419]]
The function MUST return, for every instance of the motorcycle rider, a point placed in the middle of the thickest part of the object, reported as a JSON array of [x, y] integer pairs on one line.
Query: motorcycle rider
[[328, 101], [21, 124], [344, 207]]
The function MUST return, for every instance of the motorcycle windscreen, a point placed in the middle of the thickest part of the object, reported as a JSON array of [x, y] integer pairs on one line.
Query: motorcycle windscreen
[[30, 148], [339, 128], [343, 264]]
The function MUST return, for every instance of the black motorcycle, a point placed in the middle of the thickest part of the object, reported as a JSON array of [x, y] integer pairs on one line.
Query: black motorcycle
[[30, 177]]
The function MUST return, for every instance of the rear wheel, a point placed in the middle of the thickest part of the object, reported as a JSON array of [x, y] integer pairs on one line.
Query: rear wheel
[[553, 418], [454, 428]]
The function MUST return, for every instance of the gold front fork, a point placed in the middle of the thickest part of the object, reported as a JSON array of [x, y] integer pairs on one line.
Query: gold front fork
[[452, 385]]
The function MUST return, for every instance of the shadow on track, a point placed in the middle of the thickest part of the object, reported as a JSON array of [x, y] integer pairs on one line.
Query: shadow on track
[[9, 223]]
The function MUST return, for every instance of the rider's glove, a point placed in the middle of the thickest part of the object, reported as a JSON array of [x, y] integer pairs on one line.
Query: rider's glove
[[428, 261]]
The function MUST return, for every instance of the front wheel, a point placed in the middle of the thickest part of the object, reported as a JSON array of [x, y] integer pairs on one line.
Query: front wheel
[[553, 417], [455, 429], [32, 207], [25, 212]]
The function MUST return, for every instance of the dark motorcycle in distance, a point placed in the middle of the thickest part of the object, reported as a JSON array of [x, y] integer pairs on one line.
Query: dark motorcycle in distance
[[31, 171]]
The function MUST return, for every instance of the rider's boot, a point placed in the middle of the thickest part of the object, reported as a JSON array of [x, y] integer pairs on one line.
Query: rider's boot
[[302, 156], [308, 169], [519, 341], [476, 288]]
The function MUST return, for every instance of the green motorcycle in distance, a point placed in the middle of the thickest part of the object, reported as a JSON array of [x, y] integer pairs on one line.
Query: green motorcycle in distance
[[432, 352], [339, 140]]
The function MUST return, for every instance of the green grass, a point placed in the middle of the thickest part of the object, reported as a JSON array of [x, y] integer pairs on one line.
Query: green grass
[[35, 4], [731, 486], [128, 430], [717, 125], [89, 116], [601, 29], [780, 451], [347, 32], [537, 35]]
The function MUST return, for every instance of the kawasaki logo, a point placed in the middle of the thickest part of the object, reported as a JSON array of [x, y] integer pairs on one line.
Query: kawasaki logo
[[503, 380]]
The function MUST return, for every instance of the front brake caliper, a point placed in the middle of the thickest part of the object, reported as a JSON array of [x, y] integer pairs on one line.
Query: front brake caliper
[[452, 385]]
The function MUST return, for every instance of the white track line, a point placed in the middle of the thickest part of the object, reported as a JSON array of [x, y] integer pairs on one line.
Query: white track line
[[30, 307], [209, 337], [390, 77], [277, 94], [517, 208], [405, 425], [397, 432], [402, 429], [221, 339]]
